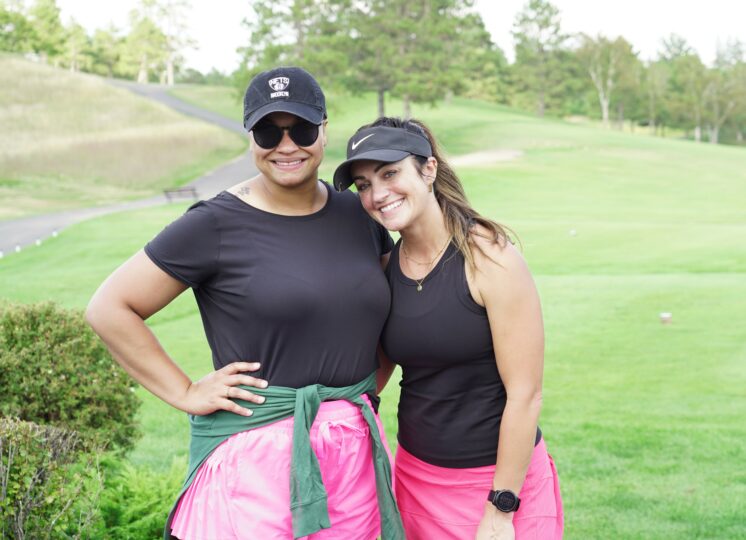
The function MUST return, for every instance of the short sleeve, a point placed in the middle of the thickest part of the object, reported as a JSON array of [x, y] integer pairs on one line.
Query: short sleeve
[[382, 238], [188, 249]]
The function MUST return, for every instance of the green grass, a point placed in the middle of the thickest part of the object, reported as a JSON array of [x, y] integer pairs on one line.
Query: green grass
[[644, 420], [72, 140], [223, 100]]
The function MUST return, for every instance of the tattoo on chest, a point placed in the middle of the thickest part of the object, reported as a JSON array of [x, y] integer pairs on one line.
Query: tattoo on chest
[[243, 191]]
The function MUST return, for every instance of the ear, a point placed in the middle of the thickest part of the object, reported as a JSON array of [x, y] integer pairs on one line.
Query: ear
[[430, 169]]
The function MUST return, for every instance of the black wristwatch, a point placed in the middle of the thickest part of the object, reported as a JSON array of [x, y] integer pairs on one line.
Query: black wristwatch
[[504, 500]]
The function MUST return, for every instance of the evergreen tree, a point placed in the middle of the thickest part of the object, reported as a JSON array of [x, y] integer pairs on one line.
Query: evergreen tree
[[443, 49], [310, 34], [420, 51], [372, 51]]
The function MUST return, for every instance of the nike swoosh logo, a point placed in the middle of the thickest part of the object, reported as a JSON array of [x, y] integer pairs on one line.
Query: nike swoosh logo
[[355, 144]]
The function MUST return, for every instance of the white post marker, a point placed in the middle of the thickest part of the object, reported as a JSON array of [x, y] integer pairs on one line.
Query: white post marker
[[666, 317], [54, 233], [38, 241], [18, 248]]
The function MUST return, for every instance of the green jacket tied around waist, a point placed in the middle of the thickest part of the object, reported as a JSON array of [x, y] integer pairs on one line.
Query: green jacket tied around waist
[[308, 498]]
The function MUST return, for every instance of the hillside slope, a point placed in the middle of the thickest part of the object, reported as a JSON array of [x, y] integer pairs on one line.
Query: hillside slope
[[70, 140]]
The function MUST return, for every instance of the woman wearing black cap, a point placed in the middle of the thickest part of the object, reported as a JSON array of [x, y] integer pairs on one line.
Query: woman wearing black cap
[[276, 264], [466, 327]]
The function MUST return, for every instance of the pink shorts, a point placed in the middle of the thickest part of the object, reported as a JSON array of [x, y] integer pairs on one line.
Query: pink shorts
[[242, 491], [447, 504]]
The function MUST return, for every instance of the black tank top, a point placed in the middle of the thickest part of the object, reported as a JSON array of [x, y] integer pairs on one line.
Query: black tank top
[[452, 397]]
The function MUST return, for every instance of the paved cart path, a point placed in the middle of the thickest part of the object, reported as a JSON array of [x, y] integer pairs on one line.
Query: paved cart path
[[24, 232]]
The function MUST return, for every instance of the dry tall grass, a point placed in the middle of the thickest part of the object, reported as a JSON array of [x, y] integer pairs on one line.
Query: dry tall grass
[[70, 140]]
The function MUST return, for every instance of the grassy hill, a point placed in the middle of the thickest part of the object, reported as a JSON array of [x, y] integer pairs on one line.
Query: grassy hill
[[69, 140], [644, 420]]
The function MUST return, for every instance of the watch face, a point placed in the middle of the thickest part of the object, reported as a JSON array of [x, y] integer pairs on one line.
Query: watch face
[[505, 501]]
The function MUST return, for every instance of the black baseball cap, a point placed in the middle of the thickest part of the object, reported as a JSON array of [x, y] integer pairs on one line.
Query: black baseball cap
[[380, 143], [284, 89]]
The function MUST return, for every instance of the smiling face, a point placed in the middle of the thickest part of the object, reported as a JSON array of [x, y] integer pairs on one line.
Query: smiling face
[[394, 194], [289, 165]]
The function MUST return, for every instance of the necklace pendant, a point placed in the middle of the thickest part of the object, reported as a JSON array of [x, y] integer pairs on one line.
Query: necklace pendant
[[419, 287]]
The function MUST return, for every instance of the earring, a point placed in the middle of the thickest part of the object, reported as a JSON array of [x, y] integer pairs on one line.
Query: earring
[[430, 187]]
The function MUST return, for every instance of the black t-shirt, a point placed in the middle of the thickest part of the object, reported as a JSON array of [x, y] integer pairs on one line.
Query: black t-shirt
[[303, 295]]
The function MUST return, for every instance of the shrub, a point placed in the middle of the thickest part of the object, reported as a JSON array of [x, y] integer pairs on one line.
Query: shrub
[[136, 500], [55, 371], [43, 477]]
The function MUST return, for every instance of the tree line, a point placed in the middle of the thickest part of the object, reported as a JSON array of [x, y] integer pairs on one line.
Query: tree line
[[148, 49], [421, 51]]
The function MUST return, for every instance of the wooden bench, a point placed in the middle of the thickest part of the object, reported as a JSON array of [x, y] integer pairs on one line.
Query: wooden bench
[[182, 192]]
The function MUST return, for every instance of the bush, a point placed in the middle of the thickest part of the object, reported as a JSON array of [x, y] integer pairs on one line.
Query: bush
[[55, 371], [136, 500], [43, 474]]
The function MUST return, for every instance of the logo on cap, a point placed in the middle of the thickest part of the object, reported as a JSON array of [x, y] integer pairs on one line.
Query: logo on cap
[[355, 144], [278, 84]]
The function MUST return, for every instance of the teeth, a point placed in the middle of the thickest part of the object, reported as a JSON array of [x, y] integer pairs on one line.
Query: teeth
[[288, 163], [391, 206]]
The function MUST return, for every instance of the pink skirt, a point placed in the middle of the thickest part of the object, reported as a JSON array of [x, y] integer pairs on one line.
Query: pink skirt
[[242, 491], [447, 504]]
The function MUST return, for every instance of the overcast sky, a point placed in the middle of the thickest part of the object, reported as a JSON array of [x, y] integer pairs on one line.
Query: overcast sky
[[216, 24]]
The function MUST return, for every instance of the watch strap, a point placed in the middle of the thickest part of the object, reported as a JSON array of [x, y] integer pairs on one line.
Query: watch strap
[[493, 498]]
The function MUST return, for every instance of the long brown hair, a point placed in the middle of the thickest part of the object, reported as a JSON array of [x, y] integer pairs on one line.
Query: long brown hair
[[460, 217]]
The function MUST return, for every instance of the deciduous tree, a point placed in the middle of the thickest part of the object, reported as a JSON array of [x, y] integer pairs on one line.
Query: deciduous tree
[[49, 33], [143, 48], [725, 92], [106, 48], [655, 88], [610, 64], [16, 31], [77, 51], [688, 83], [170, 17], [538, 43]]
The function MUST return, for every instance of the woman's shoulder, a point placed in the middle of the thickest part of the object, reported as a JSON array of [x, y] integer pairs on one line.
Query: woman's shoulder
[[347, 203], [346, 197], [499, 251], [499, 264]]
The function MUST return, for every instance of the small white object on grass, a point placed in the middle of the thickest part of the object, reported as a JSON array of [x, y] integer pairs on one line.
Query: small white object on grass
[[666, 317], [573, 232], [18, 248], [54, 233], [1, 254], [38, 241]]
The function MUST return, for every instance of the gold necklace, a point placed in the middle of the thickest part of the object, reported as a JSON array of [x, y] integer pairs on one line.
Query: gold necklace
[[427, 264]]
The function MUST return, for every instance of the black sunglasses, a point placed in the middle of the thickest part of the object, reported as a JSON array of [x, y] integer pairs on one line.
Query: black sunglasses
[[268, 135]]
